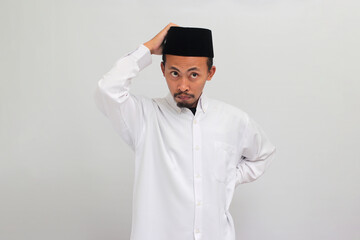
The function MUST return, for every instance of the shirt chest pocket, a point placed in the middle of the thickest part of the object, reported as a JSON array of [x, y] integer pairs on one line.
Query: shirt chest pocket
[[225, 160]]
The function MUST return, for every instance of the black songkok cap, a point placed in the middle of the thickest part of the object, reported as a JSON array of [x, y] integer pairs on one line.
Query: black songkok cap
[[186, 41]]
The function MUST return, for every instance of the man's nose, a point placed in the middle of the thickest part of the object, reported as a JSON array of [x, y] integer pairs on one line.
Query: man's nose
[[183, 84]]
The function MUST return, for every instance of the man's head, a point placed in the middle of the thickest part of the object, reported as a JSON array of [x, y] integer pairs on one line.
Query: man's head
[[187, 63]]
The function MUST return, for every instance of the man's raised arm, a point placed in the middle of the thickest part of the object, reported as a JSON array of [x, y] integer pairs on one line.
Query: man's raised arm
[[112, 95]]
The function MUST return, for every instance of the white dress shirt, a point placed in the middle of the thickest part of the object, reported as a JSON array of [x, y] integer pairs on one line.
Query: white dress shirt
[[186, 166]]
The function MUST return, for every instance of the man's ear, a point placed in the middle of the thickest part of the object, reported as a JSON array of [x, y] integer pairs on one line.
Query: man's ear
[[162, 65], [211, 73]]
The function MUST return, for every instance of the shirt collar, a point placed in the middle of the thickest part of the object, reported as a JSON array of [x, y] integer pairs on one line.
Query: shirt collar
[[202, 103]]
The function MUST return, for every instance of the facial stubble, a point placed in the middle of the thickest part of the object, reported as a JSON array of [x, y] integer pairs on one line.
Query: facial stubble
[[184, 104]]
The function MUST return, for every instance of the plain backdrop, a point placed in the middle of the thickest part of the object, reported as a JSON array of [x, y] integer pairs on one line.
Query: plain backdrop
[[293, 65]]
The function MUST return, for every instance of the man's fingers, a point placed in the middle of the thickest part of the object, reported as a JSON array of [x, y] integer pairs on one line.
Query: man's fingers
[[171, 25], [161, 35], [155, 44]]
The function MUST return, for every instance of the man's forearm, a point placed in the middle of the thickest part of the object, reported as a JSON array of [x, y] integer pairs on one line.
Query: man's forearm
[[114, 100], [116, 83]]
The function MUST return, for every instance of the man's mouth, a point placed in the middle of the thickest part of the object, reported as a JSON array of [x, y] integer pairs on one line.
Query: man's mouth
[[184, 97]]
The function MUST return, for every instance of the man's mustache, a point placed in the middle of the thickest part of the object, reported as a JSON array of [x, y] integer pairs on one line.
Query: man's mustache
[[184, 93]]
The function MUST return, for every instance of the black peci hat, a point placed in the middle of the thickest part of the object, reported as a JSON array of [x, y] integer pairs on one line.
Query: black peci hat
[[188, 41]]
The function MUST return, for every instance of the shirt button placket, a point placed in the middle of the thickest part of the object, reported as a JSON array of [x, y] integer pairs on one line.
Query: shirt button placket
[[197, 161]]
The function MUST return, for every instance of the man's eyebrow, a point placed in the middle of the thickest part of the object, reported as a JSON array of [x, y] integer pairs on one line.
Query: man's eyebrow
[[193, 68], [175, 68], [190, 69]]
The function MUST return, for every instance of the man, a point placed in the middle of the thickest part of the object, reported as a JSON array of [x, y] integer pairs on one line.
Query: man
[[191, 151]]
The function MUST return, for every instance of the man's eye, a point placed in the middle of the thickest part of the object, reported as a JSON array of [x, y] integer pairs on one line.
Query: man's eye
[[194, 75], [174, 74]]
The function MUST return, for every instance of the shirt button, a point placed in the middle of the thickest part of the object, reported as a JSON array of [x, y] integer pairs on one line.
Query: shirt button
[[197, 147], [195, 121], [197, 230], [198, 176], [198, 203]]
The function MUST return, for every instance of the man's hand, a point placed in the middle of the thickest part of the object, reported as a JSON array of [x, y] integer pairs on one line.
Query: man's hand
[[155, 44]]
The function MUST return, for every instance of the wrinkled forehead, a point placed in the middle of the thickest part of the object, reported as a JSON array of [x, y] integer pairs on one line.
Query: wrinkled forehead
[[186, 62]]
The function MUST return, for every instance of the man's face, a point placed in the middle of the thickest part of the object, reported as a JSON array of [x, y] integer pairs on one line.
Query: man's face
[[186, 77]]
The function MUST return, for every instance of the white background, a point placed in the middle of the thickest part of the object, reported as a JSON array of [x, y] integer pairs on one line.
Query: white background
[[292, 65]]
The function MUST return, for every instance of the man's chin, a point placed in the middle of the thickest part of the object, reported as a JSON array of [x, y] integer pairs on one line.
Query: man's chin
[[185, 104], [188, 102]]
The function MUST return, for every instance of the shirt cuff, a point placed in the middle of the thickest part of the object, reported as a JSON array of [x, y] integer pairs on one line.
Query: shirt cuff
[[142, 56]]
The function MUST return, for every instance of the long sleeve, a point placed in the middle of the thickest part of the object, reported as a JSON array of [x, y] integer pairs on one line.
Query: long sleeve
[[113, 99], [258, 153]]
